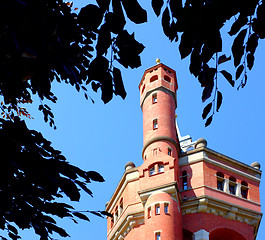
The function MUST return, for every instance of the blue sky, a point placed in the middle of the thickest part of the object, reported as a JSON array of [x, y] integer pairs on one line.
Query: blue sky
[[104, 138]]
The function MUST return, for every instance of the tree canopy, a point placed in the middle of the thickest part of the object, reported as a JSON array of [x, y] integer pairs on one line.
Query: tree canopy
[[43, 41]]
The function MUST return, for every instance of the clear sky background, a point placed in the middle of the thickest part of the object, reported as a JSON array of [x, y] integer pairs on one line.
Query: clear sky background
[[104, 138]]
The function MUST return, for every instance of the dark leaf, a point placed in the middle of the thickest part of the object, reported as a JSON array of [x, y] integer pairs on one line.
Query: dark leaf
[[12, 229], [207, 92], [186, 44], [116, 23], [228, 77], [209, 121], [96, 213], [219, 100], [223, 59], [104, 40], [69, 188], [94, 176], [175, 7], [134, 11], [81, 216], [118, 83], [239, 71], [95, 86], [106, 214], [107, 88], [252, 43], [238, 24], [166, 22], [118, 19], [250, 60], [195, 62], [238, 47], [90, 17], [83, 186], [103, 4], [57, 229], [206, 110], [157, 5]]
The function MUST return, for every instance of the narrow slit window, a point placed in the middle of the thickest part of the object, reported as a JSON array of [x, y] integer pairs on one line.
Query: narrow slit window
[[169, 151], [232, 185], [244, 189], [184, 180], [149, 212], [157, 209], [166, 208], [220, 181], [154, 98], [155, 124], [158, 236]]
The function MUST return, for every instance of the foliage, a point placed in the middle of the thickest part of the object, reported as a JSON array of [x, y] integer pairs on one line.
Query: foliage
[[42, 41], [199, 22], [33, 177]]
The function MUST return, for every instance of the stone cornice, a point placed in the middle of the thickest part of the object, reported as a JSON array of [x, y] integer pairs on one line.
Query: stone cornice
[[160, 138], [122, 184], [159, 88], [171, 188], [232, 161], [130, 221], [221, 208], [241, 198]]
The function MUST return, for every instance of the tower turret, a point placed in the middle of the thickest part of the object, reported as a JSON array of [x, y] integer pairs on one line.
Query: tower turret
[[158, 102]]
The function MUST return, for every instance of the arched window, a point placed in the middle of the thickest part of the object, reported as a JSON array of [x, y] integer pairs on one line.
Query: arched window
[[184, 180], [153, 78], [244, 189], [232, 185], [161, 168], [152, 171], [167, 78], [220, 181], [154, 98]]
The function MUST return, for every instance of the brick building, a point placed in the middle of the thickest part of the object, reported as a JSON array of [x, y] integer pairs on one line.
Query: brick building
[[183, 190]]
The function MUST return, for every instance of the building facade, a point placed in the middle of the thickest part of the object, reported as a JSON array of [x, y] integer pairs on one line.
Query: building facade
[[183, 190]]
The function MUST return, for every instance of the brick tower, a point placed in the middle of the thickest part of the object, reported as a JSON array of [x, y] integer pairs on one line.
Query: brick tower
[[183, 190]]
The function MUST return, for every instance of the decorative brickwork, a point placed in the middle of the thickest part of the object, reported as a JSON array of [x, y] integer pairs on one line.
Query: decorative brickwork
[[183, 190]]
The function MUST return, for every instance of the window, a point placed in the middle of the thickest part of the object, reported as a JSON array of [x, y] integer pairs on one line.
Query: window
[[160, 168], [166, 208], [121, 207], [153, 78], [167, 78], [157, 209], [155, 124], [220, 181], [143, 88], [232, 185], [169, 151], [158, 236], [244, 189], [154, 98], [152, 171], [149, 212], [184, 180], [155, 150]]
